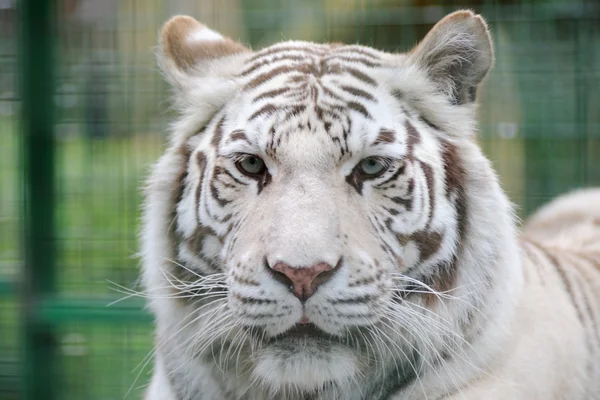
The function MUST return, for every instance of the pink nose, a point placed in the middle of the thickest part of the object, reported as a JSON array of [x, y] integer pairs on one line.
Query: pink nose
[[304, 281]]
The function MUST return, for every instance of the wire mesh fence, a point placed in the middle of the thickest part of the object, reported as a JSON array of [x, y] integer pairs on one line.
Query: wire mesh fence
[[539, 125]]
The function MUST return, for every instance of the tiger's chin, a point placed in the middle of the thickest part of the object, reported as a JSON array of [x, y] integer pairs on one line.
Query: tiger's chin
[[305, 365]]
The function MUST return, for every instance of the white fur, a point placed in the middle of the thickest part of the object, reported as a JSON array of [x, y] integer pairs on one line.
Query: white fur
[[205, 34]]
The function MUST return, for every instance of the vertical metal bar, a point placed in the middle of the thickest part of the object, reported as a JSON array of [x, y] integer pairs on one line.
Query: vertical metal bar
[[581, 47], [37, 33], [537, 170]]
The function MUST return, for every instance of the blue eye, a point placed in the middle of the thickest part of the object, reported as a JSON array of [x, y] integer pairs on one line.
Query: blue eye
[[251, 165], [372, 166]]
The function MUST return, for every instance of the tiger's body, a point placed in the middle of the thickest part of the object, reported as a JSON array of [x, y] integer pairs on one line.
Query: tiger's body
[[324, 226]]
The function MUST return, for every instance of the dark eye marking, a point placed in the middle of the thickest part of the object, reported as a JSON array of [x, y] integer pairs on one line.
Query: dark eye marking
[[399, 171], [371, 168], [358, 175], [250, 165], [253, 167]]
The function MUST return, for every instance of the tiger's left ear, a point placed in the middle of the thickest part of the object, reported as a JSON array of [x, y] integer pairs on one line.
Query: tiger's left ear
[[189, 49], [456, 55]]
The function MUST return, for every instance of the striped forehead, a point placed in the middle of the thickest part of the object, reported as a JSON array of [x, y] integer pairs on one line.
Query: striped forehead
[[311, 58], [329, 94]]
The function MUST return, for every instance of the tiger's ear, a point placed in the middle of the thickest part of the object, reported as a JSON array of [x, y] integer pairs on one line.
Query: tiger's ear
[[456, 55], [189, 49]]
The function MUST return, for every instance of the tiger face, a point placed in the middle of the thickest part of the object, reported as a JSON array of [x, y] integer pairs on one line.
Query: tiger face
[[314, 205]]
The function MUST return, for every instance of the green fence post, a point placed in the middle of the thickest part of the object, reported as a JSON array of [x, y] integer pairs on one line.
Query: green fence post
[[37, 122]]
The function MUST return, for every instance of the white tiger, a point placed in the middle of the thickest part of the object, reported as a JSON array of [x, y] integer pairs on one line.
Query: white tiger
[[324, 226]]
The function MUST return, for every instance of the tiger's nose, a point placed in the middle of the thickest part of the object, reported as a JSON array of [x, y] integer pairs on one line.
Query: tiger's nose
[[304, 281]]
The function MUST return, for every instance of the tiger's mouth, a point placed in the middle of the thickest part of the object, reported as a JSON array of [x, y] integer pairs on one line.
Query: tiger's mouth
[[306, 334], [303, 331]]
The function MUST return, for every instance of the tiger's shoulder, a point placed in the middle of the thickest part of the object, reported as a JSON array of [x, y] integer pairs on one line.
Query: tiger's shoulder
[[561, 265], [571, 222], [565, 234]]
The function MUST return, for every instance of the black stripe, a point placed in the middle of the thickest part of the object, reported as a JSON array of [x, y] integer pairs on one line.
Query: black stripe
[[360, 75], [358, 93], [584, 279], [428, 171], [225, 171], [267, 76], [218, 134], [294, 110], [252, 300], [393, 177], [178, 192], [201, 161], [354, 59], [568, 284], [353, 49], [271, 94], [359, 108], [354, 300], [215, 191], [331, 93], [238, 134], [266, 109], [385, 136], [283, 57], [314, 50]]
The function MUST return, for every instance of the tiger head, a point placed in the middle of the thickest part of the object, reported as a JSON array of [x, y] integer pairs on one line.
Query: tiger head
[[323, 210]]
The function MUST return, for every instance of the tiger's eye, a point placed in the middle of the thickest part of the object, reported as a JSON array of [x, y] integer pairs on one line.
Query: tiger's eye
[[251, 165], [371, 166]]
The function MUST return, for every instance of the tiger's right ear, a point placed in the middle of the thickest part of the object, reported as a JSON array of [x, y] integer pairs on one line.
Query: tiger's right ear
[[188, 49]]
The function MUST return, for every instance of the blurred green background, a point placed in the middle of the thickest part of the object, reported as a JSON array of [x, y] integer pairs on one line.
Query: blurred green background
[[540, 126]]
